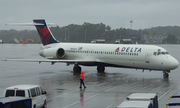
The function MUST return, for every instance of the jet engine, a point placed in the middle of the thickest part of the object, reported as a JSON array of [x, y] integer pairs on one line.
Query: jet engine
[[60, 53], [52, 53]]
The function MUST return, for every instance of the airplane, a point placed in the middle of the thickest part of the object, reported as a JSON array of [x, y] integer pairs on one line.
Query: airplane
[[135, 56]]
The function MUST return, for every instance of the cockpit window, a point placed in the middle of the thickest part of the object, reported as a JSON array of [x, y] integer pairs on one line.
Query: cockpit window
[[160, 53], [154, 53], [163, 53]]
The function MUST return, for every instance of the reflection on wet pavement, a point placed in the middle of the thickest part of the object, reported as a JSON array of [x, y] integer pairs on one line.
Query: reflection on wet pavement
[[104, 90]]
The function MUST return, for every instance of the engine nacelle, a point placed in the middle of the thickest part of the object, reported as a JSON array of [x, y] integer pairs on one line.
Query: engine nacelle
[[60, 53], [52, 53]]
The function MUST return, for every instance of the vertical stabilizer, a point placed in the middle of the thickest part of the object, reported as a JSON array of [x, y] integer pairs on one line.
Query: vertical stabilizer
[[44, 33]]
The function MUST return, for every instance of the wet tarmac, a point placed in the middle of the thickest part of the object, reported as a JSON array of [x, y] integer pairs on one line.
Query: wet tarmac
[[106, 90]]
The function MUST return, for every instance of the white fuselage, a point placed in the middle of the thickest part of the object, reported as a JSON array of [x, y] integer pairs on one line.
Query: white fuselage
[[136, 56]]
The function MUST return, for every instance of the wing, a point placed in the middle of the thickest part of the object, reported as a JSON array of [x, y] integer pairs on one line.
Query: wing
[[52, 61]]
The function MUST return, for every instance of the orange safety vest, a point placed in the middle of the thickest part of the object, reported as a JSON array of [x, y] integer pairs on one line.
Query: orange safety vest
[[82, 75]]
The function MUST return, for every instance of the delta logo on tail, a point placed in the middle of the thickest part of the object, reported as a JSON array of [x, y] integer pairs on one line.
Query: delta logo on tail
[[44, 35], [44, 32]]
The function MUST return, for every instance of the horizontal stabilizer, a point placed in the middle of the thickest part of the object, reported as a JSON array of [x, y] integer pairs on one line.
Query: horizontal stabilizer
[[30, 24], [42, 28]]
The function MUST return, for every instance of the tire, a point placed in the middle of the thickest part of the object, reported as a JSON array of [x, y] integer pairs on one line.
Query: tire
[[166, 75], [100, 68], [44, 105], [77, 69]]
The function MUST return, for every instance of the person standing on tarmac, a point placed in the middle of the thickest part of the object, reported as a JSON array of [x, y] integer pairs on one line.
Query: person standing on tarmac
[[82, 80]]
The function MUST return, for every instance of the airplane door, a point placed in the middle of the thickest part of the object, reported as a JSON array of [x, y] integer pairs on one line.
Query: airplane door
[[147, 58]]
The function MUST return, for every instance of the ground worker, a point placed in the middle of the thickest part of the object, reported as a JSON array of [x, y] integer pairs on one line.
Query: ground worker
[[82, 80]]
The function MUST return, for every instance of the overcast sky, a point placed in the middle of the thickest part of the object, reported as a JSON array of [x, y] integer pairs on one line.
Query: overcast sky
[[115, 13]]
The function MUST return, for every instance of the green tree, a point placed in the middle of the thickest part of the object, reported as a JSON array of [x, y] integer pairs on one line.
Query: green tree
[[171, 39]]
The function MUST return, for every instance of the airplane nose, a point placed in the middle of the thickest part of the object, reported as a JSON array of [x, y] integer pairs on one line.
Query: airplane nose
[[174, 63], [170, 63]]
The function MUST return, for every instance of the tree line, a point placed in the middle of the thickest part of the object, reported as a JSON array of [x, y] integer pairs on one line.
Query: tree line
[[87, 32]]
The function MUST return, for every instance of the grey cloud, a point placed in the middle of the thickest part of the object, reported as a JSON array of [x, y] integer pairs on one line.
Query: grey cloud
[[115, 13]]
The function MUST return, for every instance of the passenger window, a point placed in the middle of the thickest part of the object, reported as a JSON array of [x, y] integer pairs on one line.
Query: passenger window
[[37, 91], [41, 90], [29, 93], [10, 93], [33, 92], [20, 93]]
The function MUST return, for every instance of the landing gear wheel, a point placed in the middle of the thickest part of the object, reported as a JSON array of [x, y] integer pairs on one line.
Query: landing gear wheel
[[44, 105], [165, 75], [100, 68], [77, 69]]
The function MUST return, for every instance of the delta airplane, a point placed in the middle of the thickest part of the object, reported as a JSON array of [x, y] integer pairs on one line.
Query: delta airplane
[[145, 57]]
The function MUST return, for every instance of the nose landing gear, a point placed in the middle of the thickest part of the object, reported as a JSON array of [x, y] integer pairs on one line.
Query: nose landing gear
[[166, 74]]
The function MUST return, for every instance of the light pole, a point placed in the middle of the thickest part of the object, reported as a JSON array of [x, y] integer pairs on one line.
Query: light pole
[[85, 35], [65, 35], [68, 34], [131, 24]]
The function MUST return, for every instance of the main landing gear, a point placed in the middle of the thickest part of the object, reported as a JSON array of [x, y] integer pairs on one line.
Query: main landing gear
[[76, 68], [166, 74], [100, 68]]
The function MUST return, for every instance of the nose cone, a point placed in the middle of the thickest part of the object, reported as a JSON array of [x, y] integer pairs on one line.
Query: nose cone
[[173, 63], [169, 63]]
